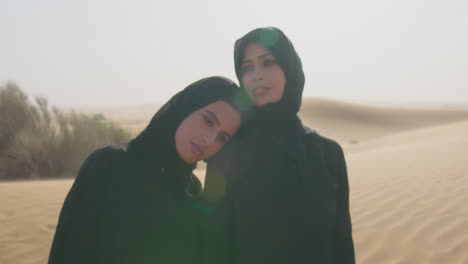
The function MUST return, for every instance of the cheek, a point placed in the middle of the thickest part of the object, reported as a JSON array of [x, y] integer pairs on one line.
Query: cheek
[[277, 77], [215, 148], [180, 135], [245, 81], [279, 81], [247, 85], [184, 132]]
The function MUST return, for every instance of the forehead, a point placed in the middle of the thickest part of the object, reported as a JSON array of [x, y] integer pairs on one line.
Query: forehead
[[227, 115], [255, 49], [221, 108]]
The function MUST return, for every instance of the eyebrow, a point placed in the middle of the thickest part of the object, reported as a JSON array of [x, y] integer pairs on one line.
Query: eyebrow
[[213, 116], [261, 56], [217, 122]]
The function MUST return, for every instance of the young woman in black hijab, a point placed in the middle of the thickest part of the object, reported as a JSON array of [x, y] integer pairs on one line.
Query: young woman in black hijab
[[132, 203], [286, 187]]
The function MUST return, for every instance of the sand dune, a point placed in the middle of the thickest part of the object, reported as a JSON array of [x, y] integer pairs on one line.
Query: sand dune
[[353, 123], [343, 121], [408, 178], [409, 197], [28, 217]]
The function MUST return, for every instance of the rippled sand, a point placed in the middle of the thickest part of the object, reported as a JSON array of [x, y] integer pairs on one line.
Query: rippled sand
[[407, 171]]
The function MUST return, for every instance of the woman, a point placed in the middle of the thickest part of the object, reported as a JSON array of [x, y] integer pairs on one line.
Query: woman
[[132, 203], [286, 198]]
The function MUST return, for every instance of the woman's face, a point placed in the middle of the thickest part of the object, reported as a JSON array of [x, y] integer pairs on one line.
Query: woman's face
[[262, 76], [204, 132]]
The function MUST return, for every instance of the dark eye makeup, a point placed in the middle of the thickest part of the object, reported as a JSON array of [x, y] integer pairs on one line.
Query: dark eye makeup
[[269, 62], [247, 68], [208, 121], [223, 138]]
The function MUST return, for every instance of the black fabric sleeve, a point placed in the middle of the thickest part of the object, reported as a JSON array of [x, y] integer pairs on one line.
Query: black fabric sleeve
[[75, 236], [214, 207], [266, 214], [343, 246]]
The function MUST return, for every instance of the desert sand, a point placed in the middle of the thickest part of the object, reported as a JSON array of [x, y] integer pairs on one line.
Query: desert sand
[[408, 173]]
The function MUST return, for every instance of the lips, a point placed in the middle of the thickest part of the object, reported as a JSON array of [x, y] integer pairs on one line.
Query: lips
[[260, 91], [197, 150]]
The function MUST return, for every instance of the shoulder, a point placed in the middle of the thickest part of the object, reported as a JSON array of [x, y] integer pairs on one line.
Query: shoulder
[[330, 146], [106, 154], [332, 157], [101, 163], [112, 151]]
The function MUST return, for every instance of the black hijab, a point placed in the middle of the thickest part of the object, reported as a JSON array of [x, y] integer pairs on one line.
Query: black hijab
[[272, 135], [155, 147], [283, 50], [271, 128]]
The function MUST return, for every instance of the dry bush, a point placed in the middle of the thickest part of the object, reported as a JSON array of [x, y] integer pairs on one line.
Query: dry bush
[[37, 141]]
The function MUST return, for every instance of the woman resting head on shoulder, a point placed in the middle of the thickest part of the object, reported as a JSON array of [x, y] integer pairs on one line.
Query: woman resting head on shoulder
[[192, 126], [131, 203]]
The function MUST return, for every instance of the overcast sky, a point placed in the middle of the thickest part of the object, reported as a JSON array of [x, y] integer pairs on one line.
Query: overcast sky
[[99, 53]]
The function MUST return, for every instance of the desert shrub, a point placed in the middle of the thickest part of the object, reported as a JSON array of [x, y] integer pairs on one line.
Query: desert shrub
[[14, 114], [38, 141]]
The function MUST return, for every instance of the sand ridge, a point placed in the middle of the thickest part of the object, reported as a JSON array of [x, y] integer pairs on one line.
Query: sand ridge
[[408, 200]]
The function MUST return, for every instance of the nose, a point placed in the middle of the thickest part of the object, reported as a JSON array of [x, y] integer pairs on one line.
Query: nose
[[209, 137], [258, 73]]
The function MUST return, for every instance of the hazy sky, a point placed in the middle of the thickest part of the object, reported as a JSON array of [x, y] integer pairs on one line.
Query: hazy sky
[[108, 52]]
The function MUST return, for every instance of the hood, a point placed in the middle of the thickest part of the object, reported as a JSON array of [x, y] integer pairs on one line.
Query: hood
[[154, 147], [283, 50]]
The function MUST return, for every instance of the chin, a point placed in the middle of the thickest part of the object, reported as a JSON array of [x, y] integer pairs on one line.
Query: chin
[[186, 159], [191, 160], [261, 103]]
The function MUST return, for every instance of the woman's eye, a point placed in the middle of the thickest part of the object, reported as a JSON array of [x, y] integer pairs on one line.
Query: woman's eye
[[223, 139], [247, 68], [207, 120], [269, 62]]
